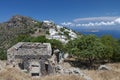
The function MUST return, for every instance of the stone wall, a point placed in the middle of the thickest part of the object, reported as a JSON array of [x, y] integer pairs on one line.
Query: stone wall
[[45, 65]]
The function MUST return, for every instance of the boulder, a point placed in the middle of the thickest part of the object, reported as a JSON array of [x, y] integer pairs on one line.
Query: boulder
[[56, 51], [58, 67], [2, 65], [66, 55], [104, 67], [74, 71], [67, 71], [77, 71]]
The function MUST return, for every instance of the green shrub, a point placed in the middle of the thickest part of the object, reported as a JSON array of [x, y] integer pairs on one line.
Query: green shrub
[[47, 32], [3, 55]]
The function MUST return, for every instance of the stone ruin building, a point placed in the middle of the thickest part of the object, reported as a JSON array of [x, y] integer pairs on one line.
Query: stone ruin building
[[38, 59], [32, 57]]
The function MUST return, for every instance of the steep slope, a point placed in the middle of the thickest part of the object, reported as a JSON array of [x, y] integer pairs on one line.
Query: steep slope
[[12, 28]]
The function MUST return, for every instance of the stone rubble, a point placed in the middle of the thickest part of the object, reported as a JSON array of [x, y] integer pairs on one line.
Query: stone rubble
[[71, 71]]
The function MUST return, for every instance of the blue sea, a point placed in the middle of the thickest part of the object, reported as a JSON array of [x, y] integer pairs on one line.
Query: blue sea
[[99, 33]]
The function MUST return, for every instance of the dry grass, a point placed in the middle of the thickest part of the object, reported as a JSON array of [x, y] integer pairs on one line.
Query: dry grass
[[103, 75], [63, 77], [115, 66], [16, 74], [114, 74], [13, 74]]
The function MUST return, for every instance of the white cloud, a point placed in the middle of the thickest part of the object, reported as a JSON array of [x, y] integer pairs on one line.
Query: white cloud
[[95, 19], [117, 20], [68, 24], [98, 21], [102, 23]]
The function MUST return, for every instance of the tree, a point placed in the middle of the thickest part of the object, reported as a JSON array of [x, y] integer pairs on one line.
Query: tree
[[113, 47], [71, 47], [87, 48], [90, 48]]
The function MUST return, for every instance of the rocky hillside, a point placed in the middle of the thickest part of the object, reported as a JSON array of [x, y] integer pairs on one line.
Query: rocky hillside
[[12, 28], [18, 25]]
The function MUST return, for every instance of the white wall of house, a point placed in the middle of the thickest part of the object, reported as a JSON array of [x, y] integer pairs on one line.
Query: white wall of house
[[52, 31], [55, 34]]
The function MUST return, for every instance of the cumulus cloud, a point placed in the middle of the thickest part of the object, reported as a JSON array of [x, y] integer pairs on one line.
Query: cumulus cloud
[[98, 21]]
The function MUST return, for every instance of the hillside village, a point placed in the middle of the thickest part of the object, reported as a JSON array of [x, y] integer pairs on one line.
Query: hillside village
[[54, 31], [60, 33]]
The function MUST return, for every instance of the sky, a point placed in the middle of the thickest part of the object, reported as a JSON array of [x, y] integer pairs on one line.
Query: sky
[[77, 13]]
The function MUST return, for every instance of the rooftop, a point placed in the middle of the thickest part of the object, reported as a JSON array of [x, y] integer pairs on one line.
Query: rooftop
[[30, 48]]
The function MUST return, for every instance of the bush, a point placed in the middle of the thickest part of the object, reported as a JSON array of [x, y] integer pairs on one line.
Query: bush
[[62, 29], [3, 55], [56, 44], [47, 32], [38, 24], [39, 39]]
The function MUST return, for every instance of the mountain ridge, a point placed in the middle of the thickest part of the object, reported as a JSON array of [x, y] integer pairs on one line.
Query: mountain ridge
[[15, 26], [19, 24]]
